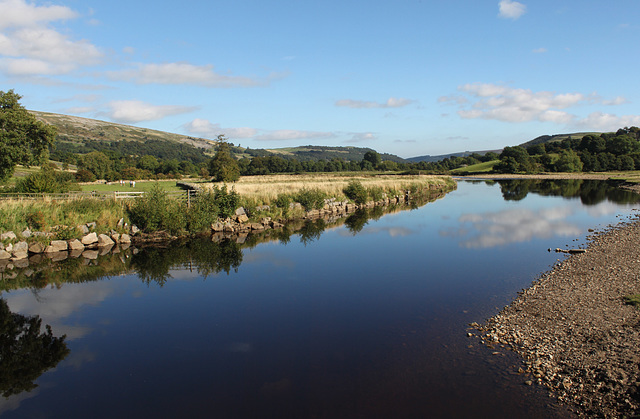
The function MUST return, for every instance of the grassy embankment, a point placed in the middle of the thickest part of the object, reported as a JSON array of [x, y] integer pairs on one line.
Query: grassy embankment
[[46, 215]]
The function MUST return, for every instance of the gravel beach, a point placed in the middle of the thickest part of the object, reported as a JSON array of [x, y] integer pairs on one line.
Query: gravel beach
[[575, 332]]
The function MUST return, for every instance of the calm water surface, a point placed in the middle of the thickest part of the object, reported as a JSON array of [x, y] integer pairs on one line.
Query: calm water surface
[[361, 320]]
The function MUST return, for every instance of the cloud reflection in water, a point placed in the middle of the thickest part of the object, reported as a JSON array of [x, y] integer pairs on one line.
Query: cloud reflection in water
[[500, 228]]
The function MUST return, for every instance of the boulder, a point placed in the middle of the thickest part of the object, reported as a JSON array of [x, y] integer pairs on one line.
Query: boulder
[[26, 234], [242, 218], [36, 247], [4, 255], [115, 237], [75, 244], [121, 223], [134, 230], [217, 227], [9, 235], [89, 239], [241, 211], [83, 229], [257, 226], [104, 240], [125, 238], [56, 246], [20, 247]]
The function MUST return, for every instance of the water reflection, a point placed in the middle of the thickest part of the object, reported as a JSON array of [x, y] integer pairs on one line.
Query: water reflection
[[26, 351], [590, 192]]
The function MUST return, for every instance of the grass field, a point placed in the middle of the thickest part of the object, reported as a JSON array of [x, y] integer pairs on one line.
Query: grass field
[[476, 168], [267, 188], [141, 186]]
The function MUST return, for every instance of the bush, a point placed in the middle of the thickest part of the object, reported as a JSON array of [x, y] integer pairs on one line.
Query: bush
[[376, 193], [155, 211], [46, 180], [310, 198], [36, 220], [227, 201], [84, 175], [356, 192], [203, 212]]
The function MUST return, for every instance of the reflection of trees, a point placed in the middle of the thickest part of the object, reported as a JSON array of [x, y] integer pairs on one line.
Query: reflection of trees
[[590, 192], [25, 352], [312, 230], [356, 221], [154, 263]]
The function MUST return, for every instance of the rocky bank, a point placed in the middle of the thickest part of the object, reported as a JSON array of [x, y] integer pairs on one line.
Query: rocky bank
[[575, 332]]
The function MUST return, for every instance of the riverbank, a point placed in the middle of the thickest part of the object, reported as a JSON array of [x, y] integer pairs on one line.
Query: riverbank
[[575, 332]]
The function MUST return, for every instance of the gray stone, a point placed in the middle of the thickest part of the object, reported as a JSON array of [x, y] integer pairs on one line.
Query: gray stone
[[36, 247], [242, 218], [4, 254], [83, 229], [91, 225], [241, 211], [217, 227], [125, 238], [75, 244], [115, 237], [89, 239], [26, 234], [121, 223], [9, 248], [134, 230], [56, 246], [104, 240], [9, 235], [20, 247]]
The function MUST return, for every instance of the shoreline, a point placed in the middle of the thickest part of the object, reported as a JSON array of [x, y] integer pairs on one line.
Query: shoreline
[[573, 329]]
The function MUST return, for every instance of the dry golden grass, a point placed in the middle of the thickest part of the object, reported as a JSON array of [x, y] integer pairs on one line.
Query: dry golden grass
[[267, 188]]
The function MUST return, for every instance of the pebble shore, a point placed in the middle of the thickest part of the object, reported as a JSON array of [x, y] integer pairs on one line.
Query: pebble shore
[[574, 331]]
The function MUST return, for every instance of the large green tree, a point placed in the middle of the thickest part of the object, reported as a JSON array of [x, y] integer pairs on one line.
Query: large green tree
[[224, 167], [23, 139]]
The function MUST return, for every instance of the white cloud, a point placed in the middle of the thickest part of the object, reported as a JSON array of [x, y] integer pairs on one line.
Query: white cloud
[[133, 111], [30, 48], [207, 129], [17, 13], [185, 73], [508, 104], [511, 9], [599, 121], [288, 135], [541, 50], [392, 102]]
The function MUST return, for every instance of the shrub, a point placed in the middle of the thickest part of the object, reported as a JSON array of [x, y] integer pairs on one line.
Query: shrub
[[84, 175], [227, 201], [35, 220], [203, 212], [310, 198], [65, 233], [155, 211], [376, 193], [356, 192]]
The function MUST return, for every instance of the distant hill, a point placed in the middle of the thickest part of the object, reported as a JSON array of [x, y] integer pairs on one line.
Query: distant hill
[[431, 159], [83, 135], [557, 137]]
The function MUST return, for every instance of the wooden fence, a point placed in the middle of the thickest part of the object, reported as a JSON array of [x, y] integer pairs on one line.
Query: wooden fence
[[184, 195]]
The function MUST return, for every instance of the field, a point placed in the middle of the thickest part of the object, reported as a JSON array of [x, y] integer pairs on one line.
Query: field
[[141, 186], [476, 168], [267, 188]]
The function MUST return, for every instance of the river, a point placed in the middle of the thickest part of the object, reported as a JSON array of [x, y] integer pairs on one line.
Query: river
[[364, 319]]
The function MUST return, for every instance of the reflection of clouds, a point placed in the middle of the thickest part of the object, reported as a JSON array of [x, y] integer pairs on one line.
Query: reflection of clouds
[[53, 305], [13, 402], [78, 358], [391, 231], [607, 208], [269, 257], [512, 226]]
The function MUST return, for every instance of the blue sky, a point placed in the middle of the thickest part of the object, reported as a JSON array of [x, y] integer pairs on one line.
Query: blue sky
[[408, 77]]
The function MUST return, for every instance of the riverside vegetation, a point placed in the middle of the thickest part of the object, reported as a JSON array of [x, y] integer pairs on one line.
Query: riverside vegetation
[[278, 198]]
